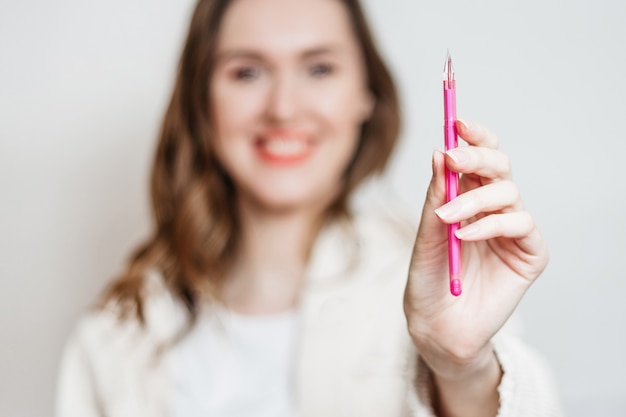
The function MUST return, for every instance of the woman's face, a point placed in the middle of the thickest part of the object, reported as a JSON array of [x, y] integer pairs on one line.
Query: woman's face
[[288, 94]]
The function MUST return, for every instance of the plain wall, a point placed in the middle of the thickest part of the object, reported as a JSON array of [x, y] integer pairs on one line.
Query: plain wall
[[83, 86]]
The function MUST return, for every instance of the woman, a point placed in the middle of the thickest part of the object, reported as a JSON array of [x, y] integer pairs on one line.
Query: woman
[[260, 293]]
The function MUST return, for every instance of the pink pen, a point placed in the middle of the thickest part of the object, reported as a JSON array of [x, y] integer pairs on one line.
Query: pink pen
[[452, 178]]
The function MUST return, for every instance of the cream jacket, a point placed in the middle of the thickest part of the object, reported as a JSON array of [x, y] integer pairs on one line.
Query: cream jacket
[[355, 357]]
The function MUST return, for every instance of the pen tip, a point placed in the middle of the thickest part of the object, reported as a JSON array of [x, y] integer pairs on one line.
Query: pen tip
[[447, 67]]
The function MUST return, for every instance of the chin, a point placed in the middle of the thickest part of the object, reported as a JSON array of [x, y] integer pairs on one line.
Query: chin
[[289, 201]]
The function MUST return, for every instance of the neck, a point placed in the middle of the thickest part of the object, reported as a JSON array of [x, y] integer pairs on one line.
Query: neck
[[274, 241], [271, 259]]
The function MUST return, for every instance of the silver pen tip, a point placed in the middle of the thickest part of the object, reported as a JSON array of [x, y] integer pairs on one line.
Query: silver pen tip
[[448, 70], [448, 63]]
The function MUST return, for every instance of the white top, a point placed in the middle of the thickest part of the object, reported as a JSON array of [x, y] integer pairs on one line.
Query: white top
[[236, 365], [354, 356]]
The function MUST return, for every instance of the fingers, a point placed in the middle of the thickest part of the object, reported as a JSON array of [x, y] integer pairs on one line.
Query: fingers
[[476, 134], [482, 158], [512, 225], [484, 162], [494, 197]]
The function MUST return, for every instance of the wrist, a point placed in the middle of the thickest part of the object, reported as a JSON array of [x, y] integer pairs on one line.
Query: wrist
[[453, 360], [472, 392], [460, 368], [485, 368]]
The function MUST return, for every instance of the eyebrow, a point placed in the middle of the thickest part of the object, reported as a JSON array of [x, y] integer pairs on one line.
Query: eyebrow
[[258, 56]]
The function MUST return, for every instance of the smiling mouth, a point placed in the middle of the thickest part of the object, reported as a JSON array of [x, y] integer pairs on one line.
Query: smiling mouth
[[283, 147]]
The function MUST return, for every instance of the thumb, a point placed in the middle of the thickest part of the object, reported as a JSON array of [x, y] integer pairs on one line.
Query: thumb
[[432, 231], [428, 262]]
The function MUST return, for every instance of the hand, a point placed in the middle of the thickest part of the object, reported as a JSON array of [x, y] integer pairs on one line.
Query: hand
[[503, 253]]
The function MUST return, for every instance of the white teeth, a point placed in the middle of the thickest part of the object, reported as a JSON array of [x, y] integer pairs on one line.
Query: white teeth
[[285, 147]]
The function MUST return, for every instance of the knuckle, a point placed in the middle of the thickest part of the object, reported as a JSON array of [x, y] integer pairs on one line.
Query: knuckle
[[506, 163], [527, 220], [494, 140], [506, 191], [512, 189]]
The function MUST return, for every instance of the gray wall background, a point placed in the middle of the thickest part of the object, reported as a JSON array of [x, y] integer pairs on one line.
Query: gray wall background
[[83, 85]]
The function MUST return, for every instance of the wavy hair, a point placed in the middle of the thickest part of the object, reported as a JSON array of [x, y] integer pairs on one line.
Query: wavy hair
[[195, 225]]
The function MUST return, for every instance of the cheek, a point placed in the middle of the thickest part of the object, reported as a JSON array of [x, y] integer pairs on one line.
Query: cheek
[[229, 113], [233, 107], [339, 109], [342, 106]]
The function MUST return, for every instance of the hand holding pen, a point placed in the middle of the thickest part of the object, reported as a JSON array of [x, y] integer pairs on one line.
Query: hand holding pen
[[503, 253]]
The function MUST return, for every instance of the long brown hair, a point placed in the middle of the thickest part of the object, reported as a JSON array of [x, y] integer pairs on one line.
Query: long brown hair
[[193, 200]]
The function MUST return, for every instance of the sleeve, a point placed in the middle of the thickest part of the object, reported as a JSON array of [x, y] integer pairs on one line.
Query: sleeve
[[76, 394], [527, 388]]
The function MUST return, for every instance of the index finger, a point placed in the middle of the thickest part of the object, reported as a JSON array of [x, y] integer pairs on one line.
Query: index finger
[[476, 134]]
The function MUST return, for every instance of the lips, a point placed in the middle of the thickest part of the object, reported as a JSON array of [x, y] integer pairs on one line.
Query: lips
[[284, 146]]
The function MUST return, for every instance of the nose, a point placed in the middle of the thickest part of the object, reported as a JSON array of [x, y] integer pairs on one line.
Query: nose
[[283, 99]]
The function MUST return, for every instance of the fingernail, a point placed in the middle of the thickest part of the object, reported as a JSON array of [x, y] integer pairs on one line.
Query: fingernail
[[467, 126], [459, 156], [448, 210], [467, 231], [435, 165]]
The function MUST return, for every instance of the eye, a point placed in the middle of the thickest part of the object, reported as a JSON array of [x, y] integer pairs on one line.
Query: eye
[[321, 70], [248, 73]]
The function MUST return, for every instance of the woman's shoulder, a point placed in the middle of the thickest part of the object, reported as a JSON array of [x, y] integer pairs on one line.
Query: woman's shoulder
[[109, 354], [110, 327]]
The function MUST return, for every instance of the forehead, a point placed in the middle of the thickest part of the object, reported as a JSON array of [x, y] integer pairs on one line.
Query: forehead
[[285, 25]]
